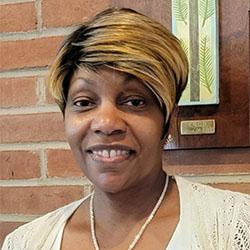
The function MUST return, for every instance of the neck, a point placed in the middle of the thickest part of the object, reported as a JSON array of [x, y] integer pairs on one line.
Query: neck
[[133, 204]]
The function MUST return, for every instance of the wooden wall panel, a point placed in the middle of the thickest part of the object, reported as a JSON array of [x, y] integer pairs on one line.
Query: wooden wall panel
[[160, 10], [232, 113]]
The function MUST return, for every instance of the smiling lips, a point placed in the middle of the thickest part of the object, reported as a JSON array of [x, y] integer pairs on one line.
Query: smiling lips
[[110, 154]]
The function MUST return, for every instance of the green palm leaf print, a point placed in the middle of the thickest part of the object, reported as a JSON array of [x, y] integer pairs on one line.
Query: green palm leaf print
[[206, 10], [181, 10], [206, 65]]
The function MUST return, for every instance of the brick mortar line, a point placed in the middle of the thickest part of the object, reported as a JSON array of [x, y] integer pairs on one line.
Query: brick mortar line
[[4, 2], [28, 72], [43, 162], [44, 33], [40, 91], [33, 146], [38, 6], [87, 189], [49, 182], [17, 217], [49, 108]]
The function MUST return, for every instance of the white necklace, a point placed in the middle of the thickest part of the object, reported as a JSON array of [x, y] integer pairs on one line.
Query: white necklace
[[139, 234]]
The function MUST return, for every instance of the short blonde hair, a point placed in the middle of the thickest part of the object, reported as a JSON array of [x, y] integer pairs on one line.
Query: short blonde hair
[[127, 41]]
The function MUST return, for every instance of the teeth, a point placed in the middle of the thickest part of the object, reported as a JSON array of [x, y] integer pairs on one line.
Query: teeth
[[110, 153], [113, 153], [105, 153], [124, 152]]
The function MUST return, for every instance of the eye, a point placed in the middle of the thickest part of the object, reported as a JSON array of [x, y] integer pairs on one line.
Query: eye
[[135, 102], [83, 104]]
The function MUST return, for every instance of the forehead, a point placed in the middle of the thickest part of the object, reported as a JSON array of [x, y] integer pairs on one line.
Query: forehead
[[105, 77], [102, 72]]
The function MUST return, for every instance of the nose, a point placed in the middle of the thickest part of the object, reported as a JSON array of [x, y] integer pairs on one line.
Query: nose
[[108, 121]]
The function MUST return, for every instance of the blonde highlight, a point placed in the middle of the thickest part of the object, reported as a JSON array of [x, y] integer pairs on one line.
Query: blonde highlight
[[129, 42]]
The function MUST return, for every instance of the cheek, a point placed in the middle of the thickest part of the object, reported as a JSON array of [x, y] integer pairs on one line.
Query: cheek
[[70, 128], [150, 132], [75, 129]]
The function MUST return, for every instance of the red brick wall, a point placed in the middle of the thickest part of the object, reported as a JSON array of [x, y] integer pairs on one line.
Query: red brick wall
[[37, 171]]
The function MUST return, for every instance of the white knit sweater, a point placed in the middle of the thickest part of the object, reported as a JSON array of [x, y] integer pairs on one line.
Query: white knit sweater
[[210, 219]]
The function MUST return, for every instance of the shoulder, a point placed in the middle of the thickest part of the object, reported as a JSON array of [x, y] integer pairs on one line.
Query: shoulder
[[42, 231], [206, 192], [222, 215]]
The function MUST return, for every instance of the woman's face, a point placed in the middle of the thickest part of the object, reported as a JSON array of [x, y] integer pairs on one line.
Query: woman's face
[[114, 127]]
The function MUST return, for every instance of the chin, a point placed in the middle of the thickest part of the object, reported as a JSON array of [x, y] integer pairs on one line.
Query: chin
[[110, 184], [110, 188]]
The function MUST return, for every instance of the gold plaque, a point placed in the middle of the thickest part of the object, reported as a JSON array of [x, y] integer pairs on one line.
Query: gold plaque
[[197, 127]]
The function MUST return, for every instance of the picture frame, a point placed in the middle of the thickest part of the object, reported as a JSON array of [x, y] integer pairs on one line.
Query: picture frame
[[195, 23]]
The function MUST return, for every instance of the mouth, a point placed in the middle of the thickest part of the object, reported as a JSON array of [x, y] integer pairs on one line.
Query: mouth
[[110, 153]]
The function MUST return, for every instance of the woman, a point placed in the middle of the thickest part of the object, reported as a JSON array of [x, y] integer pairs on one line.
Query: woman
[[116, 80]]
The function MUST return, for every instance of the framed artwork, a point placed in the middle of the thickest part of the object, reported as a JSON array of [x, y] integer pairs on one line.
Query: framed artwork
[[195, 23]]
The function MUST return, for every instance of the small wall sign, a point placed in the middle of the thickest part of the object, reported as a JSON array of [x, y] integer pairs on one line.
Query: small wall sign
[[197, 127]]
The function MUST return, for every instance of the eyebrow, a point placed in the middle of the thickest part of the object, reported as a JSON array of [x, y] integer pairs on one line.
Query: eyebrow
[[86, 80], [129, 77]]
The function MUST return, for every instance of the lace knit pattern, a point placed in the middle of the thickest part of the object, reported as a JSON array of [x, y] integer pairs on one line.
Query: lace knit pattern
[[41, 233], [214, 220], [221, 219]]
